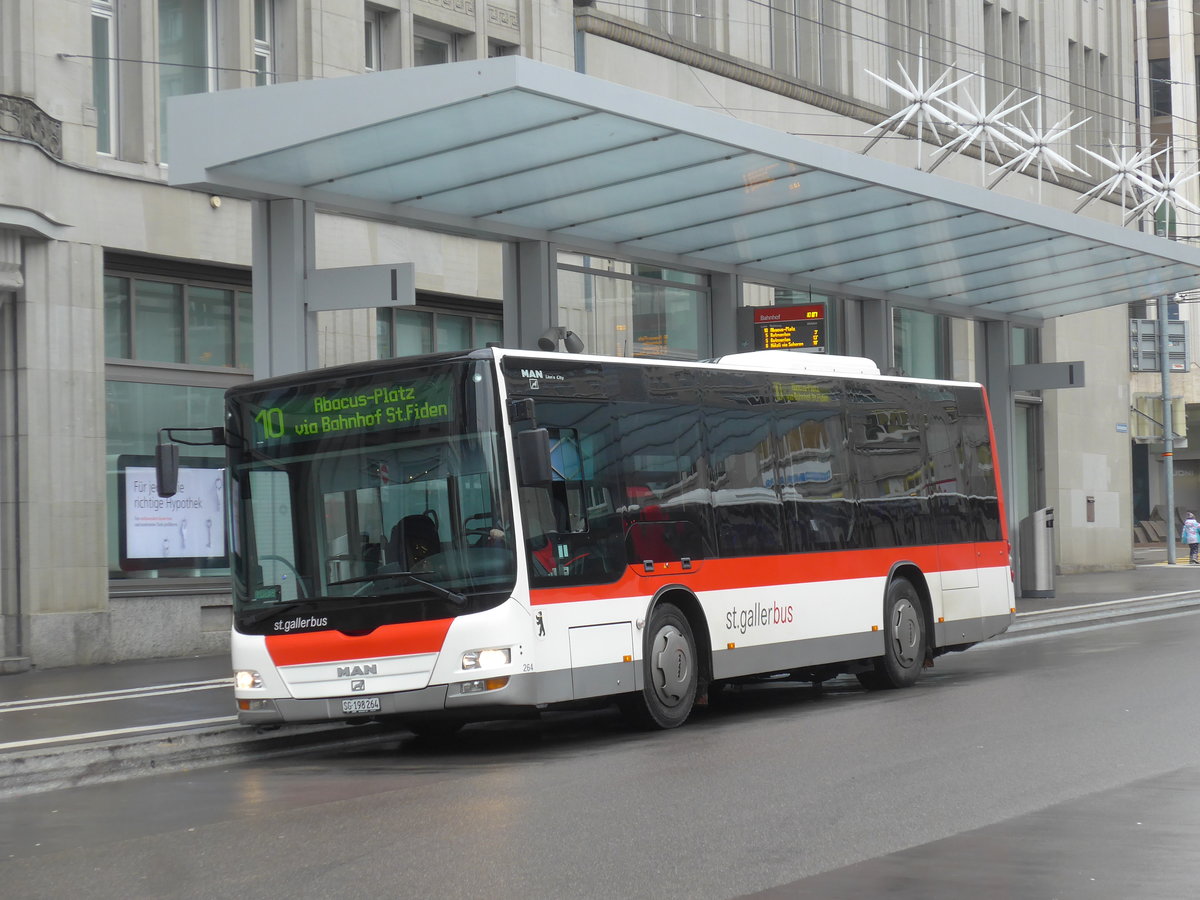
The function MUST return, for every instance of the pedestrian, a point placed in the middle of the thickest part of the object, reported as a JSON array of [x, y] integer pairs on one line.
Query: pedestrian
[[1191, 536]]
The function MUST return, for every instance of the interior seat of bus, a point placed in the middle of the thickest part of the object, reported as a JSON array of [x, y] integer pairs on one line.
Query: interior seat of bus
[[412, 539]]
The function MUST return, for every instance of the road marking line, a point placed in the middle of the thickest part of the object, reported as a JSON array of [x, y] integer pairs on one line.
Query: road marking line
[[115, 732], [105, 696]]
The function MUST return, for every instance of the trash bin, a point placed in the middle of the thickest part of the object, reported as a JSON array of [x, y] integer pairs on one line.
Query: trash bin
[[1037, 553]]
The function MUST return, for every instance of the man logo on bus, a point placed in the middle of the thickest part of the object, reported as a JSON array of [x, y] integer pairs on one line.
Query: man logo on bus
[[357, 671], [359, 685], [541, 626]]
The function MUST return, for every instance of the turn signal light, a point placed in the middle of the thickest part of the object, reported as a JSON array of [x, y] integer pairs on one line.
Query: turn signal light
[[482, 685]]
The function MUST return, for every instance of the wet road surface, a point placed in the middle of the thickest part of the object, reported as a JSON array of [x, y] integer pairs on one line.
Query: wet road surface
[[62, 706], [1062, 766]]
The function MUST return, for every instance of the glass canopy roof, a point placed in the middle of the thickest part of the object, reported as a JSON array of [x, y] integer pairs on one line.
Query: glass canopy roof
[[512, 148]]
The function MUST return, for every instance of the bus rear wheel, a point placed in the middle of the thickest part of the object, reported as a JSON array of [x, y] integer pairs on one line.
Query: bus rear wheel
[[670, 672], [904, 639]]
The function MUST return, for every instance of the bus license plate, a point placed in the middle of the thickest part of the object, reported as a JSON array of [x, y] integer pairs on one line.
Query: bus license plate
[[361, 705]]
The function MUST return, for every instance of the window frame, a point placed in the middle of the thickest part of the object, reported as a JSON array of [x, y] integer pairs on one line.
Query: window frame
[[106, 10], [385, 316], [940, 334], [172, 374], [211, 43], [264, 43], [442, 35], [642, 277], [1159, 81], [130, 316], [373, 21]]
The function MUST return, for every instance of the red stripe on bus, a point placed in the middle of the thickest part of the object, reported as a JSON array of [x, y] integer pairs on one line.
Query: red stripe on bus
[[774, 571], [998, 483], [332, 646]]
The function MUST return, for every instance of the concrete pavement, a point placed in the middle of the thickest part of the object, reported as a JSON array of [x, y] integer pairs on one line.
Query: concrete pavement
[[86, 724]]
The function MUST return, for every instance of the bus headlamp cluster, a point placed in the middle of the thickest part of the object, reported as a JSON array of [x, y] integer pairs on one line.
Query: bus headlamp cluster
[[247, 680], [490, 658]]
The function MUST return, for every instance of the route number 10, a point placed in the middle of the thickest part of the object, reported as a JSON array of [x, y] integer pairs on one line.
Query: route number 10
[[271, 421]]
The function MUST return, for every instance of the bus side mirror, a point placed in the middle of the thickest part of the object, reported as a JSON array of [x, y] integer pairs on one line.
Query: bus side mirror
[[533, 457], [166, 455], [166, 469]]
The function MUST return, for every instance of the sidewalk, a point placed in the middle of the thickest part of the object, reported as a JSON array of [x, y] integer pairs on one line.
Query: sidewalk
[[61, 727], [1150, 577]]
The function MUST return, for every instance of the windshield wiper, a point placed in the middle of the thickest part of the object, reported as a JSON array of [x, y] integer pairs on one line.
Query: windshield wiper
[[453, 596]]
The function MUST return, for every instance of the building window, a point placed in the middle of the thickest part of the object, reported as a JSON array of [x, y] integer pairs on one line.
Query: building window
[[186, 30], [921, 344], [104, 74], [160, 320], [806, 41], [434, 329], [1009, 62], [620, 308], [1025, 346], [264, 42], [175, 339], [694, 21], [1160, 87], [432, 46], [144, 539], [372, 33]]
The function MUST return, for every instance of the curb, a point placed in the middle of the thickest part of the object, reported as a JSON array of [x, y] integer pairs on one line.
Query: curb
[[99, 762], [1048, 620]]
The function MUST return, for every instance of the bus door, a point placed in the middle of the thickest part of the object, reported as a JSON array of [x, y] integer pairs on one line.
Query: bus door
[[947, 490]]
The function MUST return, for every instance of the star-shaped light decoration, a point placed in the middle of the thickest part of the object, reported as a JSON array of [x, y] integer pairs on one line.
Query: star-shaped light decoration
[[1161, 188], [1129, 174], [987, 129], [923, 107], [1038, 149]]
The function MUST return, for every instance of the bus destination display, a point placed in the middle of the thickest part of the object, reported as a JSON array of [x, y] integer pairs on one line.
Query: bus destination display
[[300, 416], [790, 327]]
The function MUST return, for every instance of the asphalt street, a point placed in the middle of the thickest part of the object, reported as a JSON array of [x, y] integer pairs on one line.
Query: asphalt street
[[1058, 763], [88, 724]]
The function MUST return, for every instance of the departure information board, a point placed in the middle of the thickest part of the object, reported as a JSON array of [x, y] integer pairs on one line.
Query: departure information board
[[790, 327]]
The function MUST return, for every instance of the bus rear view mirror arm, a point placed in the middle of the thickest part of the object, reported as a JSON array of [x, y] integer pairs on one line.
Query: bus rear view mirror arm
[[166, 455]]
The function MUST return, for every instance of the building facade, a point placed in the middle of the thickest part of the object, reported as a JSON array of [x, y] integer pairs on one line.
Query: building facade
[[126, 304]]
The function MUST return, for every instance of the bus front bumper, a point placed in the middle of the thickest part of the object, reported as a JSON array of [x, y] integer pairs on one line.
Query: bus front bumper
[[517, 690]]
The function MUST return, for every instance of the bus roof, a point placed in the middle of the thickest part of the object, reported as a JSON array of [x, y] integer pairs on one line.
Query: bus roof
[[788, 362], [784, 362], [804, 363]]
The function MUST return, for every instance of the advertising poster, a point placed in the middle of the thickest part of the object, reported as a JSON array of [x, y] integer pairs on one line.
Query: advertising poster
[[184, 531]]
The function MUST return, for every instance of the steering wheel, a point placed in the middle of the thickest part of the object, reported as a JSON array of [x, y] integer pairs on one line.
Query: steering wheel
[[301, 591]]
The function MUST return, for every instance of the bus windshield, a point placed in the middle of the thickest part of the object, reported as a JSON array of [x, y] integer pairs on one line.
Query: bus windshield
[[367, 500]]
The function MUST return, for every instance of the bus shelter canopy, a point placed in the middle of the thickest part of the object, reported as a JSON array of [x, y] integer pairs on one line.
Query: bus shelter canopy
[[513, 149]]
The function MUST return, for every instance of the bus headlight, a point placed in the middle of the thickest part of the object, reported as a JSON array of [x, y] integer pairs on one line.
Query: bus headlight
[[247, 680], [487, 659]]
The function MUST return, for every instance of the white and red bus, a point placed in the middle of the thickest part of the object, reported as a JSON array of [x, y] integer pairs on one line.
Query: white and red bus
[[474, 535]]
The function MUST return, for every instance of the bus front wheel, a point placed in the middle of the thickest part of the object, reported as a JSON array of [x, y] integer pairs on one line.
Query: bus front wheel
[[670, 672], [904, 639]]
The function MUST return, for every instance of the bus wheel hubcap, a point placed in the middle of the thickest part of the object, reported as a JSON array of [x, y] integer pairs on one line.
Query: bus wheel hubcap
[[906, 633], [671, 665]]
